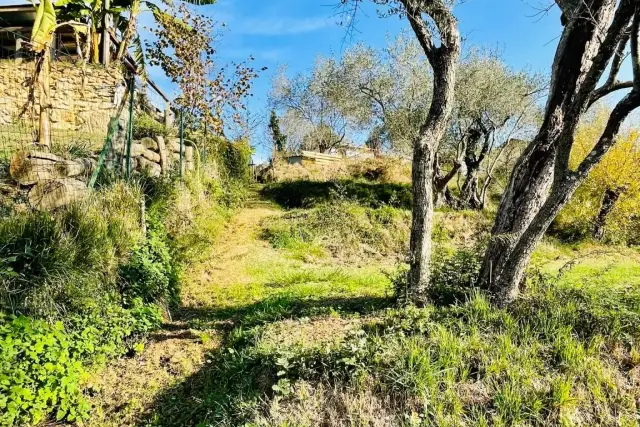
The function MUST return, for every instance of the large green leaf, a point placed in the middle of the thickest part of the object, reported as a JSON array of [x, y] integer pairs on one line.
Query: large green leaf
[[139, 58], [44, 25]]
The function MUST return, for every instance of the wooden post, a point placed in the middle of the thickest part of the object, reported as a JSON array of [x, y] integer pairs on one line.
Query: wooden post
[[44, 131], [18, 49], [168, 117], [106, 39]]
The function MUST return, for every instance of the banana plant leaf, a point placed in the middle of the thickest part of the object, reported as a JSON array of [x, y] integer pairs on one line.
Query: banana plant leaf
[[43, 26]]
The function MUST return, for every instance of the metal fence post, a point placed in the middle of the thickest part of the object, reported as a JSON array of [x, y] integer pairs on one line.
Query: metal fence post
[[113, 129], [204, 146], [181, 140], [132, 85]]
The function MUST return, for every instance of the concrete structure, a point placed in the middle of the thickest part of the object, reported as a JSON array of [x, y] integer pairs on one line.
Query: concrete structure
[[312, 157]]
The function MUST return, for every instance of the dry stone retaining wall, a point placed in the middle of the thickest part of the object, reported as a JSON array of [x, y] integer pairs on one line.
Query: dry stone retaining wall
[[83, 99]]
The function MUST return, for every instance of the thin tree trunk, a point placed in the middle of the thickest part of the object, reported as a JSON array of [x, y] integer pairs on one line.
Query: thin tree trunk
[[443, 60], [441, 193], [422, 221], [609, 200]]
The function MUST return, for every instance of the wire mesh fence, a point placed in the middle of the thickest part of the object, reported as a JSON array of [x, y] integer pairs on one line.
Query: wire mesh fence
[[59, 133]]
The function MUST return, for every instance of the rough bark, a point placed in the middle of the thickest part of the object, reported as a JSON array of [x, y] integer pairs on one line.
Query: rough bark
[[472, 160], [443, 60], [470, 189], [479, 143], [441, 193], [611, 196], [507, 284], [593, 31]]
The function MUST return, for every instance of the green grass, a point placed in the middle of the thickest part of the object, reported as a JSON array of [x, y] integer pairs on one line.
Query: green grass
[[314, 340], [306, 194], [343, 230], [541, 362], [309, 332]]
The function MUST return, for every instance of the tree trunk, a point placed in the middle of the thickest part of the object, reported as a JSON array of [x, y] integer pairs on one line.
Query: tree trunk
[[578, 65], [443, 60], [522, 199], [609, 200], [422, 220], [473, 159], [441, 193], [470, 197], [506, 284]]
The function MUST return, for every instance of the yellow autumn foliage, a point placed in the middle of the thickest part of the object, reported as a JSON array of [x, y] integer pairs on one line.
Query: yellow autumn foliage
[[619, 169]]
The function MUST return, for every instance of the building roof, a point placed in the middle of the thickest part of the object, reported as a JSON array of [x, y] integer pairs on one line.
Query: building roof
[[17, 15]]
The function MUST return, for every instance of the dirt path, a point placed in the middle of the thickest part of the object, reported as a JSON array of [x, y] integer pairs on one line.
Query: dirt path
[[124, 391]]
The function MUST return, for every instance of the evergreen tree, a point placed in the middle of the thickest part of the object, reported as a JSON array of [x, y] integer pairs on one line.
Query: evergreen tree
[[279, 139]]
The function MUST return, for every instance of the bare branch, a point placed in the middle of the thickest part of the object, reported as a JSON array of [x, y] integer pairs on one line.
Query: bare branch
[[603, 91], [612, 84], [423, 34]]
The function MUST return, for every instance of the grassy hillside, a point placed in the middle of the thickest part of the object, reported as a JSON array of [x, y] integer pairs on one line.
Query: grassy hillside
[[290, 319]]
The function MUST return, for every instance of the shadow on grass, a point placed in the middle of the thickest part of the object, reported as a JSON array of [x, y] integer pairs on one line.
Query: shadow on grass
[[235, 373], [307, 194], [278, 308]]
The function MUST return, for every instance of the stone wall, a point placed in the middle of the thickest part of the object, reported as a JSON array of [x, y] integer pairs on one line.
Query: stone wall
[[155, 155], [83, 100]]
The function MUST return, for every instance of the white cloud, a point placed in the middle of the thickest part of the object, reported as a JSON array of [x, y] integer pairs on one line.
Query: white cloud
[[281, 26]]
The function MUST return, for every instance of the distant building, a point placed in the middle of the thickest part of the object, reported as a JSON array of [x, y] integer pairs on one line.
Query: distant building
[[334, 155], [16, 23], [312, 157]]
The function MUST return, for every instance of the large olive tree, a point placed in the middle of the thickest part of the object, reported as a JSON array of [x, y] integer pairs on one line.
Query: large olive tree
[[310, 116], [490, 98], [594, 39]]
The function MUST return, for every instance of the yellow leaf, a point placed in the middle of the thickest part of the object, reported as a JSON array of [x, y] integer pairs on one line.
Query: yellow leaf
[[43, 26]]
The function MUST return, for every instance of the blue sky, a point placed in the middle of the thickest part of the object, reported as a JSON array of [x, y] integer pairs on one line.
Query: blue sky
[[294, 32]]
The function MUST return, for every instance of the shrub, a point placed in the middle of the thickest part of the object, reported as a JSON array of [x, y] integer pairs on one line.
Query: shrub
[[151, 274], [146, 126], [235, 157], [60, 262], [42, 365]]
